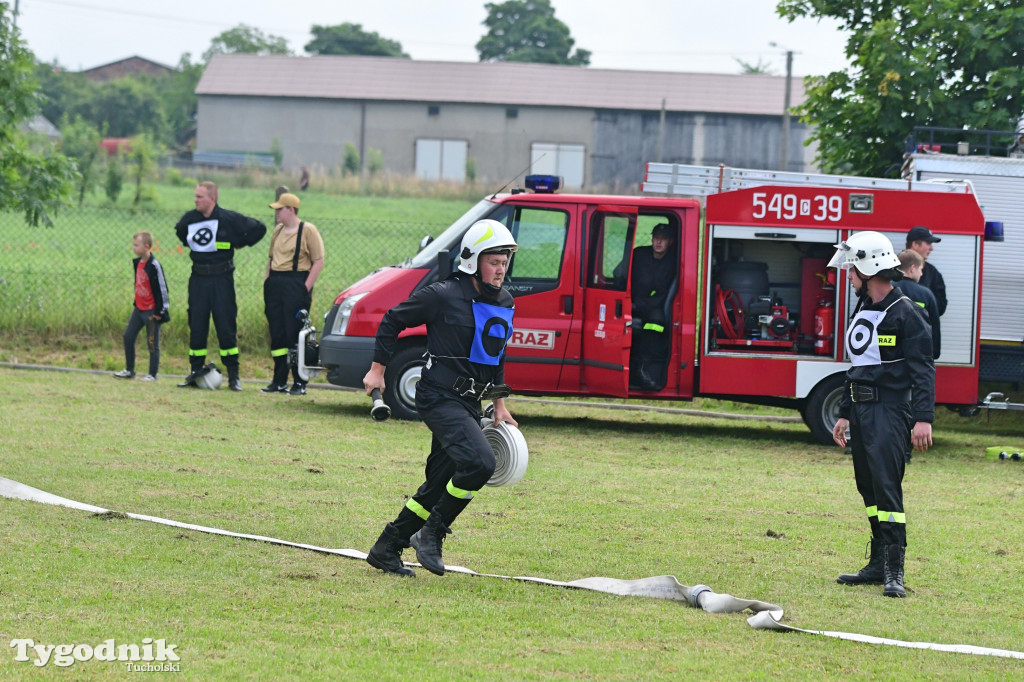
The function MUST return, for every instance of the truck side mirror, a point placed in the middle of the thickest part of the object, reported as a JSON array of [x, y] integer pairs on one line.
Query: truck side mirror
[[425, 242], [444, 265]]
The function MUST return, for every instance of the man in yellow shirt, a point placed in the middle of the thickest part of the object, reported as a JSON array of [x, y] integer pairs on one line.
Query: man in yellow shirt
[[296, 260]]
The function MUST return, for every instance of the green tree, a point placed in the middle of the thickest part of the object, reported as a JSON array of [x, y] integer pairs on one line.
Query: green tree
[[243, 39], [143, 153], [527, 31], [80, 141], [113, 179], [913, 63], [760, 68], [32, 181], [351, 39]]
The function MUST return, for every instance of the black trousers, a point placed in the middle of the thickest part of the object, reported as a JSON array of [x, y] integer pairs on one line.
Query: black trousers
[[459, 453], [880, 434], [284, 295], [212, 295], [650, 352]]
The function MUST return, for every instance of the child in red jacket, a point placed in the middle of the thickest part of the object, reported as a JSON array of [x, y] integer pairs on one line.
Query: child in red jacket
[[151, 307]]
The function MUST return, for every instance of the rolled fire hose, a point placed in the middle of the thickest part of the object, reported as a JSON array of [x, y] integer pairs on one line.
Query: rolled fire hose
[[766, 616], [511, 454]]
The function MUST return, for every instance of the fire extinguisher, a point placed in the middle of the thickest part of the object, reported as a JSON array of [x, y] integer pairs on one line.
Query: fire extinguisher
[[824, 321]]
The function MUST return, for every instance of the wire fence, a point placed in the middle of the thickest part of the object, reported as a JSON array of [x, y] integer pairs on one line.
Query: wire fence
[[76, 277]]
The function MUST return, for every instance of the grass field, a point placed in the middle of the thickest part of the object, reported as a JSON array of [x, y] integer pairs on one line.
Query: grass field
[[615, 494]]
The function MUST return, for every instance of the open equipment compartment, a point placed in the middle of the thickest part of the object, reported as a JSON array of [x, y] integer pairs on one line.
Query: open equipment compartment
[[770, 290]]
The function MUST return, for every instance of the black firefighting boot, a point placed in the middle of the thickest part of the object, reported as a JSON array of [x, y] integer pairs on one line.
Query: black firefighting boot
[[873, 573], [427, 543], [195, 369], [234, 383], [386, 553], [894, 555]]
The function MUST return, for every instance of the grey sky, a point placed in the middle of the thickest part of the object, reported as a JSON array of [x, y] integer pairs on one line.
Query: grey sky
[[665, 35]]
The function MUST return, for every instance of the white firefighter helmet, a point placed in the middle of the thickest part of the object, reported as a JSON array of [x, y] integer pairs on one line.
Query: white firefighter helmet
[[210, 378], [484, 235], [870, 252]]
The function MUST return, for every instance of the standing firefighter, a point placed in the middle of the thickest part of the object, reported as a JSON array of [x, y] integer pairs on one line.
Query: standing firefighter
[[212, 234], [469, 321], [888, 402], [296, 260]]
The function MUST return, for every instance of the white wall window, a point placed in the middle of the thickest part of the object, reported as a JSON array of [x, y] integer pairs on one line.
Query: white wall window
[[566, 160], [441, 159]]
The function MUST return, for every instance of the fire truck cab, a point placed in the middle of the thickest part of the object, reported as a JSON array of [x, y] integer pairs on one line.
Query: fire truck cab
[[752, 313]]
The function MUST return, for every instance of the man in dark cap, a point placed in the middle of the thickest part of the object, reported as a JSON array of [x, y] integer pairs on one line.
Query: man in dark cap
[[654, 270], [922, 240]]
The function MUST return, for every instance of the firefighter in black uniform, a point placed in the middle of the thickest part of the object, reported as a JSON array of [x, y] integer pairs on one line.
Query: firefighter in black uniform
[[469, 321], [921, 239], [296, 260], [212, 234], [654, 270], [888, 400]]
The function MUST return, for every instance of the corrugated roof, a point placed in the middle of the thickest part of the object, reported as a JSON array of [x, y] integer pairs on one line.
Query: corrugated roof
[[507, 83]]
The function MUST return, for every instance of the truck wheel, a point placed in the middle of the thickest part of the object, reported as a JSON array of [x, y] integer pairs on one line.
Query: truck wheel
[[821, 409], [400, 379]]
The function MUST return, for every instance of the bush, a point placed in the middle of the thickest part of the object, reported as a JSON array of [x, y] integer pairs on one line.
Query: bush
[[350, 161]]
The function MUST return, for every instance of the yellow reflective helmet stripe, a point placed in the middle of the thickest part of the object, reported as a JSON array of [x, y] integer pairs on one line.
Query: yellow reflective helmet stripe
[[459, 492], [892, 517], [487, 235], [417, 509]]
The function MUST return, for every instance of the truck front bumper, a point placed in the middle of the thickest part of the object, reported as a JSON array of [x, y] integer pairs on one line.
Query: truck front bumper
[[347, 359]]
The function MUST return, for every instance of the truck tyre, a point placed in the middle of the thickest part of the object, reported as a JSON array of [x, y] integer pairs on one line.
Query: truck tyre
[[400, 379], [821, 409]]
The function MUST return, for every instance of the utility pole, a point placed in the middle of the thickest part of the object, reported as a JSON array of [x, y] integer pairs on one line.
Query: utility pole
[[784, 152], [14, 19]]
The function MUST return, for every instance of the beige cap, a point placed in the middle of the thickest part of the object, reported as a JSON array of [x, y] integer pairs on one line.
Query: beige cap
[[286, 199]]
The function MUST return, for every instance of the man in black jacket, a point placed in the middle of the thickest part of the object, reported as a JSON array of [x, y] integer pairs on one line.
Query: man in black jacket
[[922, 240], [654, 271], [888, 401], [469, 321], [212, 234]]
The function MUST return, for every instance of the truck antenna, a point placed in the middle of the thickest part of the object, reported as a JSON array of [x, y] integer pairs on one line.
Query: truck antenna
[[513, 178]]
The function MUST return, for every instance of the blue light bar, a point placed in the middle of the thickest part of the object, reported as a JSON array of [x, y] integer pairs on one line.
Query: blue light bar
[[543, 184]]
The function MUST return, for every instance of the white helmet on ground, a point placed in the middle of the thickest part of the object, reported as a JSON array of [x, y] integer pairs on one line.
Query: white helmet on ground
[[870, 252], [484, 235], [211, 378]]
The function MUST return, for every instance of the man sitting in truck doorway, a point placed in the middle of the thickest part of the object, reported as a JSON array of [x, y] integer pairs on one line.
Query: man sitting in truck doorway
[[922, 240], [651, 286]]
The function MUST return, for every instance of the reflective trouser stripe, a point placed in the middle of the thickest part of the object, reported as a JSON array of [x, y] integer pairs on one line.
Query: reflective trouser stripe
[[278, 352], [459, 492], [228, 351], [417, 509], [892, 517], [201, 353], [872, 511], [651, 327]]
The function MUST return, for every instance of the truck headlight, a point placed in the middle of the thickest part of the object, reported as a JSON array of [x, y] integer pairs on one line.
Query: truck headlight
[[345, 312]]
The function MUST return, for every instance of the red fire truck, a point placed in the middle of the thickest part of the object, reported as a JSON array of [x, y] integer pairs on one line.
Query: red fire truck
[[754, 314]]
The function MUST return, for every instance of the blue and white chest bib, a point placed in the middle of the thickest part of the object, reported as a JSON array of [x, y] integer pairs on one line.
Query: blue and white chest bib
[[492, 330]]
